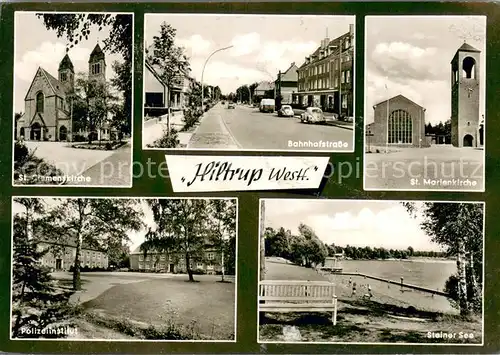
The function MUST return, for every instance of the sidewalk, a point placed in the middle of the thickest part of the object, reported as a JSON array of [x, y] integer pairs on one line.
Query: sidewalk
[[154, 128], [212, 133]]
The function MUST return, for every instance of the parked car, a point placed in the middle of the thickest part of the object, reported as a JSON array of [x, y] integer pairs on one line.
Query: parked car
[[286, 111], [231, 105], [312, 115], [267, 105]]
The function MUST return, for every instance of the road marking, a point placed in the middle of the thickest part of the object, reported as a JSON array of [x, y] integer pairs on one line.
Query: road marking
[[230, 133]]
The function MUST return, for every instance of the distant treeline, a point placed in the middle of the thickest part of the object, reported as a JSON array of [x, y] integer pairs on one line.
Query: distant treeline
[[307, 249], [352, 252]]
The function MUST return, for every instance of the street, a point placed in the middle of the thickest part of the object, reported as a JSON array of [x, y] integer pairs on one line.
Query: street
[[437, 167], [245, 128], [103, 167]]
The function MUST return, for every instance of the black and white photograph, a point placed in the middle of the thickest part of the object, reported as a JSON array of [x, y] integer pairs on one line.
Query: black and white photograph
[[73, 99], [248, 82], [425, 85], [371, 272], [124, 269]]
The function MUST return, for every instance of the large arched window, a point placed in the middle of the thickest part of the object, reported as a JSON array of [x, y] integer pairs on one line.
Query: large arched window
[[39, 102], [399, 128]]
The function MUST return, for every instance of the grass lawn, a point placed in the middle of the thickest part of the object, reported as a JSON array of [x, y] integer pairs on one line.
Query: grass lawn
[[204, 310]]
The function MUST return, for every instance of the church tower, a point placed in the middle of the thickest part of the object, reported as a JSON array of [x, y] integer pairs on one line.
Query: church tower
[[465, 85], [67, 72], [97, 65]]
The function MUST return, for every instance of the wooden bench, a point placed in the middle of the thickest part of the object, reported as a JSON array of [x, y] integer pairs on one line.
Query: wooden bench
[[298, 296]]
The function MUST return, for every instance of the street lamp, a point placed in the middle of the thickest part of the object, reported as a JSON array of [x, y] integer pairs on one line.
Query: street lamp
[[203, 71]]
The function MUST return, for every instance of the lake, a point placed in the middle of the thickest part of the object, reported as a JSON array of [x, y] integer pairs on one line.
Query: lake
[[421, 272]]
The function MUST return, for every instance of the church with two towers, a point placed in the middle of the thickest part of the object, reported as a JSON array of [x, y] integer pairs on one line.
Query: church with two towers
[[48, 111]]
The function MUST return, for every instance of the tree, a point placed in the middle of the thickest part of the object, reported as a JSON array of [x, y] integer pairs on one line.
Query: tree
[[78, 26], [194, 94], [99, 223], [37, 302], [121, 81], [181, 228], [222, 223], [217, 93], [169, 59], [96, 101], [262, 243], [410, 251]]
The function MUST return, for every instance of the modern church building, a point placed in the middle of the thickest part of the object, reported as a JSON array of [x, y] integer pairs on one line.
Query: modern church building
[[398, 121], [401, 122]]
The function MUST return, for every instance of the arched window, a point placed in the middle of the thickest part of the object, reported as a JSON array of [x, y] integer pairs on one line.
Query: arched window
[[399, 128], [469, 68], [39, 102]]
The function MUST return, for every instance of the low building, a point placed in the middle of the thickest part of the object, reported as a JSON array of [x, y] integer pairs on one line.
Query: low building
[[264, 90], [156, 92], [286, 85], [153, 261], [61, 257], [326, 79], [397, 122]]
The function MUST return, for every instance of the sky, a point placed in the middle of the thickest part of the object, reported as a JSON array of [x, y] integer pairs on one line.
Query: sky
[[351, 222], [135, 238], [35, 46], [262, 44], [411, 55]]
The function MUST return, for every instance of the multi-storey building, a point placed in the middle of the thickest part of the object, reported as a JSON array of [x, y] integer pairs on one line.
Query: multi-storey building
[[61, 257], [326, 78], [210, 262]]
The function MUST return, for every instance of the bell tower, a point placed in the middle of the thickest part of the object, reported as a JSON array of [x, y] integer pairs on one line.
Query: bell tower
[[465, 85], [97, 65], [67, 72]]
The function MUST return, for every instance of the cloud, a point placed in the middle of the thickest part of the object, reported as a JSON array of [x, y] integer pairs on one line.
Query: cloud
[[47, 55], [245, 44], [427, 93], [389, 227], [406, 61], [195, 45]]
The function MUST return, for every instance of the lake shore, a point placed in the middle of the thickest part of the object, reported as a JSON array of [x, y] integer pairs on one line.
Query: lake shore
[[390, 315]]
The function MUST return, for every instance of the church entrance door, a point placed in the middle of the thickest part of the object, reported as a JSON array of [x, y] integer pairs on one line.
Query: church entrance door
[[468, 140], [36, 132], [63, 133]]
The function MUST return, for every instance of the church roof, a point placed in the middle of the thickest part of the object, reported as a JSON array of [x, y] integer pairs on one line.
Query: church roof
[[465, 48], [66, 63], [468, 48], [398, 97], [97, 54], [57, 87]]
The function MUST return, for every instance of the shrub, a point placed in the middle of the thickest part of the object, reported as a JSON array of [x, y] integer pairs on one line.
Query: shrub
[[167, 140], [109, 146], [21, 153], [191, 117], [198, 272], [78, 138]]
